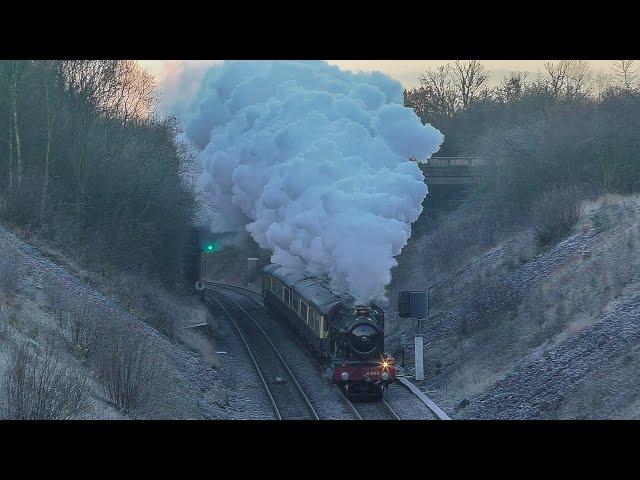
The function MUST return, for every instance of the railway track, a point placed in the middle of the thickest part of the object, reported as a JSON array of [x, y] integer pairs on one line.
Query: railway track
[[250, 294], [369, 411], [287, 397], [360, 411], [376, 411]]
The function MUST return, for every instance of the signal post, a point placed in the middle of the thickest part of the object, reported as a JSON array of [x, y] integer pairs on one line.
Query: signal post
[[414, 305]]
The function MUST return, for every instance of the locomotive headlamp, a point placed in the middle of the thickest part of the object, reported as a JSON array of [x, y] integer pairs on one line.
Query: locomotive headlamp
[[344, 376], [385, 376]]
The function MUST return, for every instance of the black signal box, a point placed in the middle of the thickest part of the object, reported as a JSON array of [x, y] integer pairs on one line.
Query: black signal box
[[413, 304]]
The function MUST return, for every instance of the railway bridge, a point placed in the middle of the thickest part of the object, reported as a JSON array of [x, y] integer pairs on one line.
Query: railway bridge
[[453, 170]]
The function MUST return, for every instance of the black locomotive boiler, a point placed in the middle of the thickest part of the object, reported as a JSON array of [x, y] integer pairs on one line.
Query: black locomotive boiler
[[347, 338]]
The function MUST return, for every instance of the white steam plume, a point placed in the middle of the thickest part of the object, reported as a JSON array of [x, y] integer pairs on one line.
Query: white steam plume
[[314, 163]]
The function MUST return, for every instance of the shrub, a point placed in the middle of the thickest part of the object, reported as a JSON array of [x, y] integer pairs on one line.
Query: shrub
[[601, 221], [128, 368], [460, 235], [38, 386], [82, 327], [56, 295], [11, 271], [153, 304], [555, 213], [4, 320]]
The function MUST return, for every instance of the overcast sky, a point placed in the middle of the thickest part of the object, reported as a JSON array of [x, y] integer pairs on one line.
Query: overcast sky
[[405, 71]]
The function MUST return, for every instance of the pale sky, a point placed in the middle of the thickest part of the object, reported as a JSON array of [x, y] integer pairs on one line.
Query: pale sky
[[405, 71]]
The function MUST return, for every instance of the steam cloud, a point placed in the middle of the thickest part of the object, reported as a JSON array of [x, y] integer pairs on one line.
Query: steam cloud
[[314, 163]]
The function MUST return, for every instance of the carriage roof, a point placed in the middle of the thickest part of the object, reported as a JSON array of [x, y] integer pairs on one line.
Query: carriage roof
[[314, 291]]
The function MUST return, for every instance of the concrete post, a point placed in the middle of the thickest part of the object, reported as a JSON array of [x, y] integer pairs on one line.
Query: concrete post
[[252, 269], [419, 358]]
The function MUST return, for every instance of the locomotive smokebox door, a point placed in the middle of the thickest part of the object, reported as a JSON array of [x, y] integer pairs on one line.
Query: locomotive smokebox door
[[413, 304]]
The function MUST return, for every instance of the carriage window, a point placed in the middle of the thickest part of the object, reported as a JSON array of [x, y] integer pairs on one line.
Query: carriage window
[[323, 331], [295, 305], [287, 296], [314, 320], [304, 310], [277, 287]]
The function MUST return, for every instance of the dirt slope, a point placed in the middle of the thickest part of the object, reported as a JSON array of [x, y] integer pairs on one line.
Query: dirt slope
[[532, 332], [193, 386]]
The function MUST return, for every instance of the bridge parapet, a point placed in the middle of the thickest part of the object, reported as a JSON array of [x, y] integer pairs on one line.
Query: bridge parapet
[[453, 170], [457, 161]]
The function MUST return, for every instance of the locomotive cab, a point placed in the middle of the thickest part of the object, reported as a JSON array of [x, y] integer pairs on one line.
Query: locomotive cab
[[359, 333], [360, 366]]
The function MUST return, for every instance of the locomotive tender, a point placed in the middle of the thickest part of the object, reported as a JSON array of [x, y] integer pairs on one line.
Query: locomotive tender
[[347, 338]]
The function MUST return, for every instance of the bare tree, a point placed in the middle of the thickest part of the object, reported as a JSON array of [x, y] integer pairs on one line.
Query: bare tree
[[471, 79], [16, 74], [601, 82], [625, 73], [10, 156], [569, 79], [579, 79], [439, 85], [110, 92], [49, 73], [557, 76], [12, 77], [512, 86], [117, 88], [448, 88]]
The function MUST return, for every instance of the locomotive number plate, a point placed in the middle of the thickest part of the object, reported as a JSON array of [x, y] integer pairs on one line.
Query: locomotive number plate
[[373, 373]]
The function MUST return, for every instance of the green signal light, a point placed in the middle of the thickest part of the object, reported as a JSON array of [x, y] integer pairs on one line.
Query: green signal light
[[212, 247]]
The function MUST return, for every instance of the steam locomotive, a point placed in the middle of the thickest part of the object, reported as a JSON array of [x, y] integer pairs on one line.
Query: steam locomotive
[[347, 338]]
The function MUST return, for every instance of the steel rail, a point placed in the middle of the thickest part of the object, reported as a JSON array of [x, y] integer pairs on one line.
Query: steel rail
[[279, 355], [358, 412], [435, 409], [253, 358], [375, 411], [391, 411], [239, 289]]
